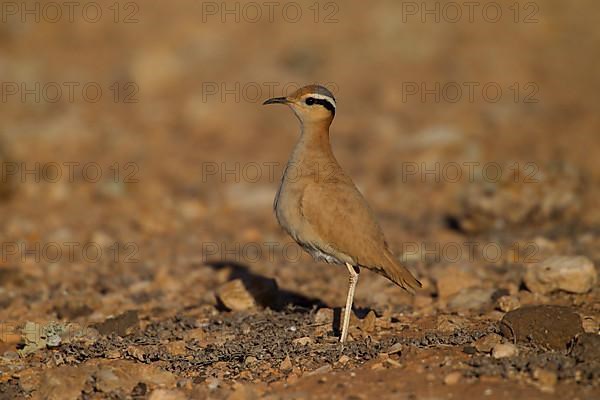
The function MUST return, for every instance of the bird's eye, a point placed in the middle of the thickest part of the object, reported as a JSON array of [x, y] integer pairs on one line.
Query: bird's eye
[[310, 101]]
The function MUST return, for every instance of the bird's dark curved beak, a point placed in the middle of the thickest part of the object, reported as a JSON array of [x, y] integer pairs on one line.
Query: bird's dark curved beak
[[276, 100]]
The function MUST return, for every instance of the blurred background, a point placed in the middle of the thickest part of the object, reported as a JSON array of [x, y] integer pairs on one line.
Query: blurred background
[[136, 129]]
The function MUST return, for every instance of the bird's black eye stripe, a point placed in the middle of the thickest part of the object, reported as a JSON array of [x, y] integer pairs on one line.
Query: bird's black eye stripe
[[311, 100]]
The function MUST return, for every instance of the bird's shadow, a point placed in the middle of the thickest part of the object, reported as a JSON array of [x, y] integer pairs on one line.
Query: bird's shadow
[[265, 290], [268, 295]]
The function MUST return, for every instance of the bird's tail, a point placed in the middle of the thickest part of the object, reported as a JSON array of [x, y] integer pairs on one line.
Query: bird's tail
[[399, 274]]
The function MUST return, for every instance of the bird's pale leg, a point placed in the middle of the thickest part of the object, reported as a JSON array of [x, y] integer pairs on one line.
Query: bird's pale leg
[[349, 299]]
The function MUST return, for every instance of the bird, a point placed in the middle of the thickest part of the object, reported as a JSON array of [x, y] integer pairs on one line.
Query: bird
[[320, 207]]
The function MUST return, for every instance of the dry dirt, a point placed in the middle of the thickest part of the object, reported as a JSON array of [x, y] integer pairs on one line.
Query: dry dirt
[[126, 214]]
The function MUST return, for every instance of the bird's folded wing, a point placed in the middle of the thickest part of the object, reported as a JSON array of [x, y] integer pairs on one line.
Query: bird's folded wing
[[340, 217]]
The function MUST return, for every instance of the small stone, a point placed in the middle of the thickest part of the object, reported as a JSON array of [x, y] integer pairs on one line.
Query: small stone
[[303, 341], [487, 343], [368, 323], [122, 325], [250, 360], [136, 352], [323, 321], [324, 316], [571, 274], [590, 325], [107, 380], [196, 334], [392, 363], [246, 375], [10, 356], [470, 299], [113, 354], [344, 359], [546, 380], [450, 323], [235, 297], [396, 348], [452, 378], [504, 350], [176, 348], [286, 364], [508, 303]]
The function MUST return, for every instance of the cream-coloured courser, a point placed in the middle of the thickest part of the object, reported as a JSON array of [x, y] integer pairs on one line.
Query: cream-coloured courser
[[321, 208]]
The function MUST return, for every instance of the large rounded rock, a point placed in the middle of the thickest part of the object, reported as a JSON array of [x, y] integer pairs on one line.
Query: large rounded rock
[[546, 326], [571, 274]]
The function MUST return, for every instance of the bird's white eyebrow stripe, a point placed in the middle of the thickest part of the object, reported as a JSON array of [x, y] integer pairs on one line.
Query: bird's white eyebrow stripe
[[323, 97]]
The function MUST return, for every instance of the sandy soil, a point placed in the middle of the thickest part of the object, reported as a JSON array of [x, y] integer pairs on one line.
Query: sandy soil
[[139, 169]]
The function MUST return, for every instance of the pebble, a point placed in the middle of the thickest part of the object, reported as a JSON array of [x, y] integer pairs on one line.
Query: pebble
[[344, 359], [392, 363], [508, 303], [487, 343], [452, 378], [503, 350], [176, 348], [368, 323], [590, 325], [470, 299], [286, 364], [235, 296], [450, 323], [571, 274], [323, 321], [396, 348], [250, 360], [324, 316], [303, 341]]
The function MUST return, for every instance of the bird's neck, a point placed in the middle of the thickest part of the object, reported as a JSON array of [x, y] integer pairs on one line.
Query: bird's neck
[[312, 156], [312, 159], [314, 138]]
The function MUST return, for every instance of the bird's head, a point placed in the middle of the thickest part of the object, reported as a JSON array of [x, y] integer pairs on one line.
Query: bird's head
[[311, 104]]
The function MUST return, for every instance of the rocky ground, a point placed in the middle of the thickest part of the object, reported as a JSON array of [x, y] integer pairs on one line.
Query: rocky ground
[[140, 257]]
